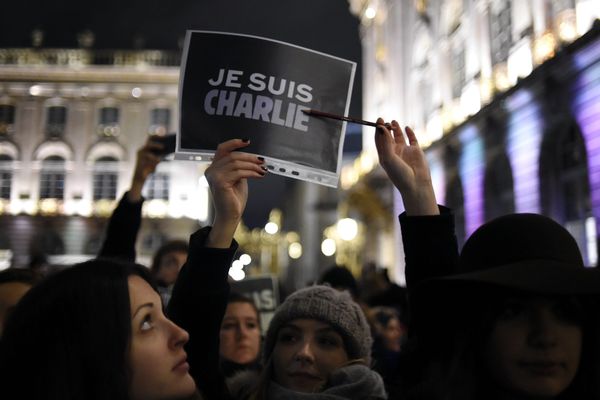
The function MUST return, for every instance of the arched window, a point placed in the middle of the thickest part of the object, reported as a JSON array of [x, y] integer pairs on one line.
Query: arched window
[[499, 189], [500, 30], [106, 176], [6, 173], [160, 121], [108, 122], [157, 186], [7, 119], [52, 178], [56, 120]]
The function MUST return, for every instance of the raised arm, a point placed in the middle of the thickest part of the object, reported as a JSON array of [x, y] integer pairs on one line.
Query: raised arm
[[200, 294], [124, 223], [406, 166], [428, 235]]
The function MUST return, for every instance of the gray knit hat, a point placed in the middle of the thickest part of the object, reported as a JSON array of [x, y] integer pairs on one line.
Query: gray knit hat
[[328, 305]]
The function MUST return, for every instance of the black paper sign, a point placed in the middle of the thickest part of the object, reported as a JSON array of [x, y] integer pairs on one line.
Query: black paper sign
[[240, 86]]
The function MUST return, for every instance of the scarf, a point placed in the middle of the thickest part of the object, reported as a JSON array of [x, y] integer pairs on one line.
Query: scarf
[[355, 382]]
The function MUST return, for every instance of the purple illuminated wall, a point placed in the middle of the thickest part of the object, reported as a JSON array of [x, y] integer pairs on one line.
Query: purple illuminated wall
[[523, 147], [471, 170], [586, 108]]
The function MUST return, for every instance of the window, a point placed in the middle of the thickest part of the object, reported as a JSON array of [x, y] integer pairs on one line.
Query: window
[[55, 121], [105, 178], [160, 121], [108, 124], [7, 119], [52, 178], [500, 30], [6, 173], [459, 73], [559, 6], [157, 186]]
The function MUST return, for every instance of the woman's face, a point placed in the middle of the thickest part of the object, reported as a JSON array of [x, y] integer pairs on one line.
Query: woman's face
[[157, 359], [306, 352], [240, 333], [535, 346]]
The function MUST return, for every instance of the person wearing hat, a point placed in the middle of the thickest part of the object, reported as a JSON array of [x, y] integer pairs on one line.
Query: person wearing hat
[[514, 316], [317, 346], [318, 343]]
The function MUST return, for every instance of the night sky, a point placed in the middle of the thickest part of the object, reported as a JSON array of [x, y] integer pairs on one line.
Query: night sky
[[323, 25]]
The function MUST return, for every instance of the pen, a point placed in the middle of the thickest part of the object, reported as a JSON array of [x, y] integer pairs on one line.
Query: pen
[[323, 114]]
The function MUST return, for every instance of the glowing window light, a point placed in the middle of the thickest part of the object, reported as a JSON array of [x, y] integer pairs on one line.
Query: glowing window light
[[136, 92], [347, 229], [328, 247], [271, 228], [245, 259], [237, 274], [592, 247], [370, 12], [35, 90], [295, 250]]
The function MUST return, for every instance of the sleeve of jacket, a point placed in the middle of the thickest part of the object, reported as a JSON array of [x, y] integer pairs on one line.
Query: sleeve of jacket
[[122, 230], [430, 246], [198, 305]]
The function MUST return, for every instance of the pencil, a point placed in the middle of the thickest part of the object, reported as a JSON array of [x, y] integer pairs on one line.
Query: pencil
[[323, 114]]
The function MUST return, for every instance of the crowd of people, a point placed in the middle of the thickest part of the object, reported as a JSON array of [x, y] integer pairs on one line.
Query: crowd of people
[[514, 315]]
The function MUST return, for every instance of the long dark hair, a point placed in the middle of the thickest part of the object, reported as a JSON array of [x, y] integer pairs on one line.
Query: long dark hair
[[459, 371], [68, 338]]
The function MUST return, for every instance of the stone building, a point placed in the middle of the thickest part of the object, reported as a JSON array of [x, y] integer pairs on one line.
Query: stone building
[[505, 96], [71, 121]]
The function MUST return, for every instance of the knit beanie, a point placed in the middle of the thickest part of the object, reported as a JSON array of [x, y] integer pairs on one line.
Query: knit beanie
[[328, 305]]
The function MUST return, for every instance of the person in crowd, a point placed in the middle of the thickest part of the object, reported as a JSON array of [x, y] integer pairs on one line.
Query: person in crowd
[[240, 337], [14, 283], [514, 316], [389, 335], [166, 263], [93, 331], [318, 343], [97, 330], [339, 277], [124, 225]]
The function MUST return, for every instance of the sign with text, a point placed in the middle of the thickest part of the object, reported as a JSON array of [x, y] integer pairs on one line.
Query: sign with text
[[241, 86], [263, 290]]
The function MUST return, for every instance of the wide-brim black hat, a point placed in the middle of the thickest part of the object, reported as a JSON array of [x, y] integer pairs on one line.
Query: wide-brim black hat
[[523, 252]]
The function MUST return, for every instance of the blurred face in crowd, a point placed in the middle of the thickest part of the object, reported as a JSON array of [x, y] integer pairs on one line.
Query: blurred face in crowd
[[157, 358], [534, 348], [391, 334], [170, 264], [306, 352], [10, 294], [240, 333]]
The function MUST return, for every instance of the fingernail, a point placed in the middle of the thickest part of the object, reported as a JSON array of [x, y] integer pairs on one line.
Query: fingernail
[[245, 140], [261, 159], [264, 168]]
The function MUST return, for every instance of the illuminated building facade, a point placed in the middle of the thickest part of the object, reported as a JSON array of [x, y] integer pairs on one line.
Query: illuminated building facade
[[71, 121], [505, 96]]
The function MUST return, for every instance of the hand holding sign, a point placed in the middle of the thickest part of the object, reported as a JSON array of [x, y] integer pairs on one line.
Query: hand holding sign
[[240, 83], [227, 177]]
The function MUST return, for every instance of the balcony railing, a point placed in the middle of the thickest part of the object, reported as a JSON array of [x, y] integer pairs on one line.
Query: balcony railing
[[83, 57]]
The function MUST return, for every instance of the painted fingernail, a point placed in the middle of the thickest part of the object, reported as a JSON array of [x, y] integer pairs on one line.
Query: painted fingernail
[[264, 168], [245, 140], [261, 159]]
